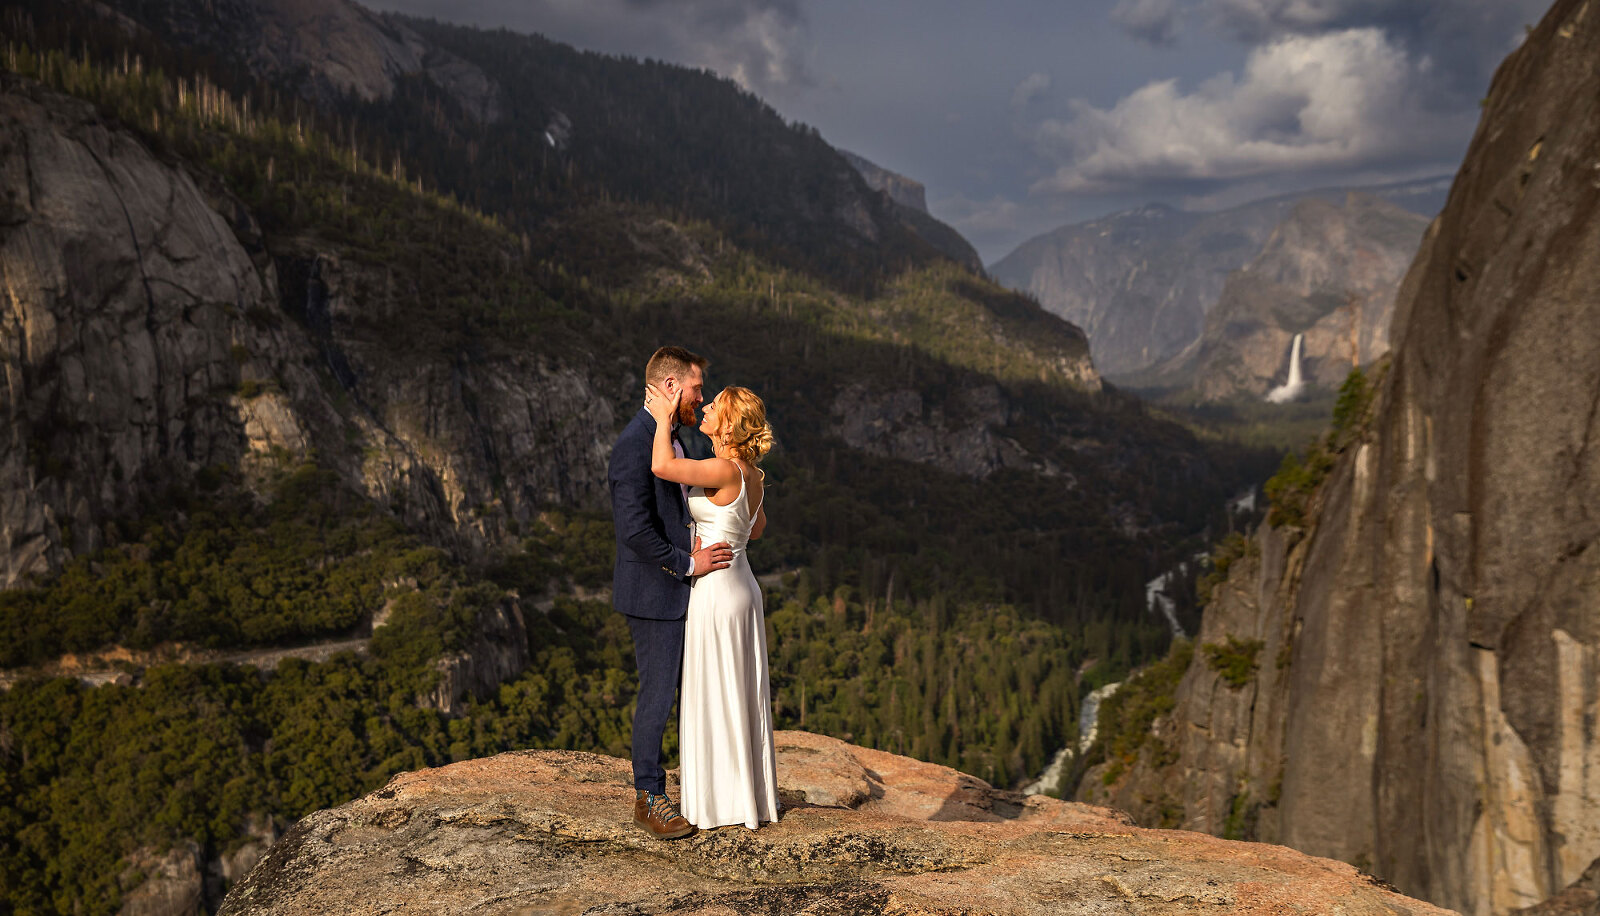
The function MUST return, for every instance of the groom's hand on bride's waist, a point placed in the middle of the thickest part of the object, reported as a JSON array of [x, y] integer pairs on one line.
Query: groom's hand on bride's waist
[[709, 559]]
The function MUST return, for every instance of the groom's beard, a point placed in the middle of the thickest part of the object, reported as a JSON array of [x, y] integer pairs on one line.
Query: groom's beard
[[686, 415]]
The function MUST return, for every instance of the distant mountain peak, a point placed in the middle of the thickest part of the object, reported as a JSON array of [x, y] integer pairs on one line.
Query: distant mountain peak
[[909, 198]]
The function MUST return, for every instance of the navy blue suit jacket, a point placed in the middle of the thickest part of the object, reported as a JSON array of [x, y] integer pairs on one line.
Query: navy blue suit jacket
[[654, 538]]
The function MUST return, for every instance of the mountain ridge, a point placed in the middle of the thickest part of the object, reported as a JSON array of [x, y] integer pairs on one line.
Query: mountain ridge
[[1141, 282]]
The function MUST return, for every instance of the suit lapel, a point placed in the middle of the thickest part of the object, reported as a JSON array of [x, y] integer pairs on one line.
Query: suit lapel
[[680, 489]]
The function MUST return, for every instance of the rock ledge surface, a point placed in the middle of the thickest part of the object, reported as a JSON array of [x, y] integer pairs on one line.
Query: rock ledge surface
[[863, 831]]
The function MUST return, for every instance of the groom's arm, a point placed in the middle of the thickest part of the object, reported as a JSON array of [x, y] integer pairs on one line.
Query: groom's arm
[[632, 504]]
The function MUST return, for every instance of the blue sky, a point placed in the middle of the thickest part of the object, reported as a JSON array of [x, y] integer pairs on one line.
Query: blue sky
[[1022, 115]]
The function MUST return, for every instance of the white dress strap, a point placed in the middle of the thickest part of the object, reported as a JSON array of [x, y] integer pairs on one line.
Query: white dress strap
[[757, 510]]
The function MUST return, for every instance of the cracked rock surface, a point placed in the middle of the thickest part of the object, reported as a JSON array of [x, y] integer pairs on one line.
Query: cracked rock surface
[[862, 831]]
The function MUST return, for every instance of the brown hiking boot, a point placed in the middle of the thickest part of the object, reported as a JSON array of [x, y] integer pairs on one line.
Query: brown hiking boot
[[659, 817]]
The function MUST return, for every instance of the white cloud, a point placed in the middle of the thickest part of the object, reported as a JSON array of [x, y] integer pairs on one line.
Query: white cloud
[[763, 49], [1152, 21], [1464, 39], [1029, 90], [1335, 101]]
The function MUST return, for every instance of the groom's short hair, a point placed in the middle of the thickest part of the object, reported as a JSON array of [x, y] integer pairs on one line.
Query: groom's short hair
[[673, 361]]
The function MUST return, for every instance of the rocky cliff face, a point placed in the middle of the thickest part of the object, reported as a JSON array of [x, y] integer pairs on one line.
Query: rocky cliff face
[[125, 295], [145, 340], [1328, 272], [1425, 696], [862, 832], [911, 206], [898, 424], [907, 192], [1120, 279], [1141, 283], [181, 882]]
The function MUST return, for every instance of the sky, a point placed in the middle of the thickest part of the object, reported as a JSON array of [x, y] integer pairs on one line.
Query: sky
[[1020, 116]]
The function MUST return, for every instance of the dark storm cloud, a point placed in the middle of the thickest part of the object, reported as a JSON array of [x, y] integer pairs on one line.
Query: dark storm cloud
[[1151, 21], [1259, 20], [725, 10]]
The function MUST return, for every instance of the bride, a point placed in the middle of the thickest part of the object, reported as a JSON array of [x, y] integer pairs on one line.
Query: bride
[[725, 708]]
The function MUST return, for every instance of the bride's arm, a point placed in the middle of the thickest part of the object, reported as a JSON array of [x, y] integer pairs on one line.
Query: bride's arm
[[760, 523], [710, 473]]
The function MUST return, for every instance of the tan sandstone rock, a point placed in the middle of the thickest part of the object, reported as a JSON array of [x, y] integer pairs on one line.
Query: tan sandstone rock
[[537, 832]]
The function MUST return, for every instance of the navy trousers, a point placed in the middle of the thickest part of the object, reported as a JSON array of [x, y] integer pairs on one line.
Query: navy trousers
[[658, 650]]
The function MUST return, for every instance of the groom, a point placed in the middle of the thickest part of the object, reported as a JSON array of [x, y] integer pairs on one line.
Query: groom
[[657, 557]]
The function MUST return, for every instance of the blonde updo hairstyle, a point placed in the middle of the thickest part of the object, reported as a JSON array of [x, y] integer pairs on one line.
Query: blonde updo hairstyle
[[742, 424]]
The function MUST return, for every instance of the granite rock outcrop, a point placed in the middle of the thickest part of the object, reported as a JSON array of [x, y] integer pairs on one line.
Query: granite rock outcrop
[[898, 424], [908, 199], [125, 293], [1424, 699], [862, 832], [907, 192]]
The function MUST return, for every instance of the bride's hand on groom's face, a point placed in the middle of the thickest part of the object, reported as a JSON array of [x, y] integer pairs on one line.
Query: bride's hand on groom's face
[[662, 405]]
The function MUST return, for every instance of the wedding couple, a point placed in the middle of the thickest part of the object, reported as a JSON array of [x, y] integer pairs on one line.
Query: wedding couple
[[692, 604]]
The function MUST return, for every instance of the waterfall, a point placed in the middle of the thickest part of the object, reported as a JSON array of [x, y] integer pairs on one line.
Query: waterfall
[[1157, 601], [1088, 728], [1089, 716], [1291, 389]]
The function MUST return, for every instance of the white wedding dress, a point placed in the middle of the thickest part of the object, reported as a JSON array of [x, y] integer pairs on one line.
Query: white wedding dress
[[725, 709]]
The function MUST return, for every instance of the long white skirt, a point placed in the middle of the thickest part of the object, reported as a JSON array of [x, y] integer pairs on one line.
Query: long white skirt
[[725, 710]]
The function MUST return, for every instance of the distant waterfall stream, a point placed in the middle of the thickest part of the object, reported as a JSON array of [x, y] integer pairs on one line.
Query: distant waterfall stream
[[1157, 601], [1088, 727], [1290, 389]]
